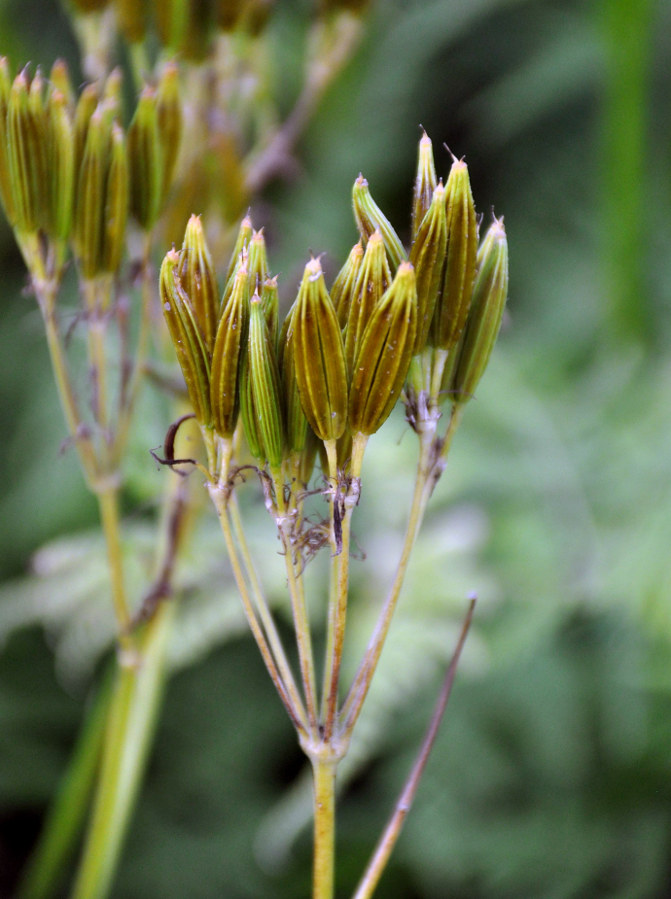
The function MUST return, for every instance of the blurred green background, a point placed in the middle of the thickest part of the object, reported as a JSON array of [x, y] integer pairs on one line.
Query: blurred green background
[[552, 773]]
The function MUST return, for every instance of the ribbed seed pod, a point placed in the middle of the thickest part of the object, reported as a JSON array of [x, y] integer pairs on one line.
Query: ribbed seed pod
[[27, 141], [186, 338], [343, 286], [88, 231], [296, 423], [258, 261], [61, 165], [131, 19], [264, 381], [228, 357], [489, 299], [145, 161], [59, 78], [319, 356], [373, 280], [242, 240], [169, 122], [116, 202], [199, 280], [369, 218], [428, 257], [384, 354], [6, 196], [425, 183], [86, 106], [270, 303], [462, 242]]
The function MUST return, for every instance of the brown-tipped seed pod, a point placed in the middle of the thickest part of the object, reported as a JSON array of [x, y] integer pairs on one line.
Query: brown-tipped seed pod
[[186, 338], [425, 183], [145, 159], [6, 197], [59, 78], [462, 243], [489, 299], [369, 218], [343, 286], [428, 257], [264, 380], [319, 356], [373, 280], [228, 356], [169, 122], [86, 106], [116, 202], [384, 354], [131, 19], [88, 230], [27, 141], [199, 280]]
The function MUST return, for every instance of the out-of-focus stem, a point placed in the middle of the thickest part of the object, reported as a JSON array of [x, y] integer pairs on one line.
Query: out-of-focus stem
[[324, 774], [392, 831]]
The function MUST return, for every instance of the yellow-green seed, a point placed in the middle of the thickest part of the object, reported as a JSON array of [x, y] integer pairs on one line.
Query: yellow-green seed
[[228, 356], [343, 286], [372, 281], [170, 123], [264, 379], [131, 19], [145, 161], [296, 422], [462, 240], [425, 183], [88, 231], [27, 142], [489, 299], [370, 218], [384, 354], [187, 341], [242, 240], [6, 196], [428, 257], [60, 165], [319, 356], [116, 202], [198, 278]]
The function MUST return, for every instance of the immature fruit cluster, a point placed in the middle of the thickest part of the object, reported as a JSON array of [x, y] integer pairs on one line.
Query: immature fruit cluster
[[339, 363], [70, 172]]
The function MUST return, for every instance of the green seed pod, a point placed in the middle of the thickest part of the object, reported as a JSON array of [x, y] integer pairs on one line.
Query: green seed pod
[[169, 122], [343, 286], [428, 257], [27, 142], [60, 166], [171, 17], [425, 183], [462, 240], [489, 299], [59, 78], [258, 261], [384, 354], [250, 422], [373, 280], [199, 280], [131, 19], [6, 196], [296, 422], [319, 356], [88, 230], [86, 106], [270, 303], [228, 356], [242, 240], [116, 202], [369, 218], [186, 338], [112, 94], [145, 160], [264, 380]]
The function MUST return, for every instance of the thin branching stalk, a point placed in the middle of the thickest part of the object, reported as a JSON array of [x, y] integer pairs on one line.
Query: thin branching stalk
[[392, 831]]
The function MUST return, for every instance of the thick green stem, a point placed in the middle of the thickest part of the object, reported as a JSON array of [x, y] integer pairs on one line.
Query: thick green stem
[[324, 775]]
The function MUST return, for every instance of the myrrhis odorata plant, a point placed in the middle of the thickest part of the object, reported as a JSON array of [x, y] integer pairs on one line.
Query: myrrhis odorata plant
[[273, 395]]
